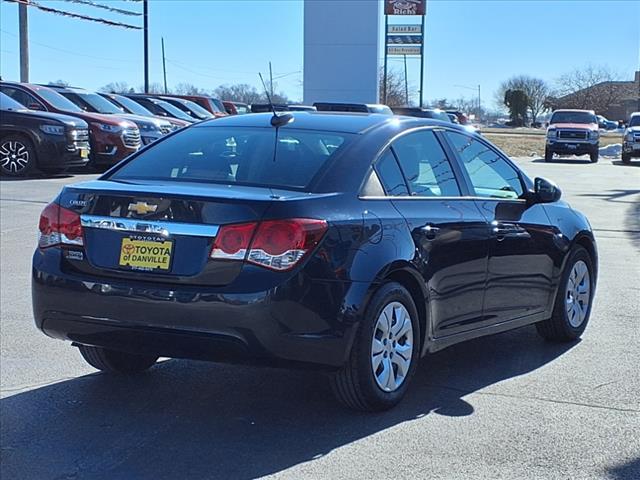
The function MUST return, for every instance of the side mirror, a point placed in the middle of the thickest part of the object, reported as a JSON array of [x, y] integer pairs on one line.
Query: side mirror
[[546, 191]]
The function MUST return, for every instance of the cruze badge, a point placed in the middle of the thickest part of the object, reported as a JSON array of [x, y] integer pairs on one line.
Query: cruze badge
[[142, 208]]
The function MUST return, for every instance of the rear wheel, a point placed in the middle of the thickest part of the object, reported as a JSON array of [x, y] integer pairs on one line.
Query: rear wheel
[[572, 307], [17, 156], [113, 361], [626, 158], [384, 355], [548, 155], [594, 156]]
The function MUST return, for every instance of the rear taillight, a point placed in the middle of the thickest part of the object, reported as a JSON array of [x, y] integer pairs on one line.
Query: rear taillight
[[59, 226], [276, 244]]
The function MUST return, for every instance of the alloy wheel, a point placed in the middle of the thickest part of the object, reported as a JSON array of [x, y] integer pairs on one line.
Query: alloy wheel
[[392, 347], [14, 156], [578, 294]]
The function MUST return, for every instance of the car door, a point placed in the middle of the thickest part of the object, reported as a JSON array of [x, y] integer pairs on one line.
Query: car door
[[449, 232], [520, 268]]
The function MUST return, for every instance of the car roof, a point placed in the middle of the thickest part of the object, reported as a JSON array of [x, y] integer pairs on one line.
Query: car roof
[[346, 122], [574, 110]]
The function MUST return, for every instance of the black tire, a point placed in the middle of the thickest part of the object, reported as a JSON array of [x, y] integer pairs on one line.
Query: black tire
[[14, 150], [355, 384], [626, 158], [558, 328], [593, 156], [112, 361], [548, 155]]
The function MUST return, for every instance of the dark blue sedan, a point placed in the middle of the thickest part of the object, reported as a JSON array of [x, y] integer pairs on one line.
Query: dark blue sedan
[[352, 243]]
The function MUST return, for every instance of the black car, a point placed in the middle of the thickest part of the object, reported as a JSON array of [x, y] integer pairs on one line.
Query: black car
[[160, 107], [352, 107], [433, 113], [351, 243], [31, 139]]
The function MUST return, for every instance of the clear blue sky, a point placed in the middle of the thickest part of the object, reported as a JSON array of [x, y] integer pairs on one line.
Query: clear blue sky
[[209, 43]]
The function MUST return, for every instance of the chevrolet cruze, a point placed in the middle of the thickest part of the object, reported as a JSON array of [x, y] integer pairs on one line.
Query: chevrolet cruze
[[350, 243]]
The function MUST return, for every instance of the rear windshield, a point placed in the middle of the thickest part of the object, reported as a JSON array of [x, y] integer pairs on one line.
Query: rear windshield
[[573, 117], [238, 155]]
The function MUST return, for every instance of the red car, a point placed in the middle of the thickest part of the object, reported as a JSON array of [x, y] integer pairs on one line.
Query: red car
[[112, 138]]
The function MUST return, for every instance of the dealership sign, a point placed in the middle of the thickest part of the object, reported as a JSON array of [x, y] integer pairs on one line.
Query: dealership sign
[[404, 50], [404, 39], [405, 7], [405, 29]]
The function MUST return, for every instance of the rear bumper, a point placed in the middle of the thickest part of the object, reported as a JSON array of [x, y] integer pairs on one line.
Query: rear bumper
[[299, 323]]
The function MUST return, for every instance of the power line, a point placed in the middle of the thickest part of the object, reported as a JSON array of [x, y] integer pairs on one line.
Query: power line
[[71, 52], [32, 3], [106, 7]]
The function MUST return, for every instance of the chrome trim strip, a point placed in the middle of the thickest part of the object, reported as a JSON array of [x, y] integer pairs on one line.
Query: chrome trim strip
[[135, 225]]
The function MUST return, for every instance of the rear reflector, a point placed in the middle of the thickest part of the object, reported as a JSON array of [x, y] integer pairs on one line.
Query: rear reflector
[[59, 226], [277, 244]]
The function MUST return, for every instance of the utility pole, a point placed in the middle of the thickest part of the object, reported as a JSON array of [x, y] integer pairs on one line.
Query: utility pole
[[406, 85], [479, 104], [424, 24], [145, 12], [164, 68], [384, 77], [23, 22], [270, 80]]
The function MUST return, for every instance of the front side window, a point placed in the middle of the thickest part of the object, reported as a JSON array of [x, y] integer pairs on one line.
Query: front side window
[[425, 165], [242, 156], [490, 174], [22, 97]]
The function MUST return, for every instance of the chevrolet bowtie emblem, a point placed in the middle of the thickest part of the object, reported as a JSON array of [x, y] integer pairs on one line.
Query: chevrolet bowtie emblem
[[142, 208]]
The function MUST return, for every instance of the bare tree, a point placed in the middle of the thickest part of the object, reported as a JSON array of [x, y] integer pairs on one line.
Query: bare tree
[[116, 87], [395, 88], [240, 92], [189, 89], [537, 92], [591, 87]]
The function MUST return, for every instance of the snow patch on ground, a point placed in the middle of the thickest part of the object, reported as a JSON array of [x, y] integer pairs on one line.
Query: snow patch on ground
[[613, 150]]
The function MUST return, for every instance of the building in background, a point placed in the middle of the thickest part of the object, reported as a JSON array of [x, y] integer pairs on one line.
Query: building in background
[[615, 100], [341, 51]]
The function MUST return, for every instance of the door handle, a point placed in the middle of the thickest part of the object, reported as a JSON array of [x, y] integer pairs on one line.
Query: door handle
[[504, 230], [430, 231]]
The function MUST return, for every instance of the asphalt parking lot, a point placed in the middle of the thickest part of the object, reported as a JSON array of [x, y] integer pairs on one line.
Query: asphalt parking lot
[[503, 407]]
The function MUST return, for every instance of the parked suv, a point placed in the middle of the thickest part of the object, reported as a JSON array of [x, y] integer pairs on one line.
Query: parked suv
[[212, 105], [160, 107], [573, 132], [112, 138], [130, 106], [150, 129], [47, 141], [631, 143]]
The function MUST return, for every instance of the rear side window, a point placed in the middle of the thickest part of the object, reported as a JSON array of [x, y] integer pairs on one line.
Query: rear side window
[[425, 165], [390, 175], [237, 155], [491, 175]]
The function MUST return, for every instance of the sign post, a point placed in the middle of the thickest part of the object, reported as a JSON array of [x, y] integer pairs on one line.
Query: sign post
[[404, 40]]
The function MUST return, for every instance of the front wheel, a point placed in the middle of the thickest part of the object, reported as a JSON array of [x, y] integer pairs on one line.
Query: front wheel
[[548, 155], [384, 355], [626, 158], [572, 307], [17, 156], [593, 156], [113, 361]]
